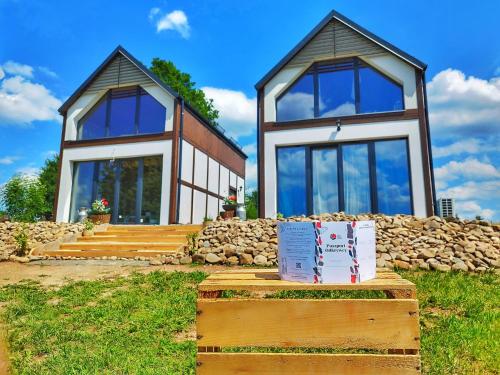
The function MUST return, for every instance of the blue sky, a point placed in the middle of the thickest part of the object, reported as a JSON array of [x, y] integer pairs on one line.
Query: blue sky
[[48, 48]]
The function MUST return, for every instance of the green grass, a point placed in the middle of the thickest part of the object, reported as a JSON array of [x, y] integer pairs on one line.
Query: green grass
[[139, 325]]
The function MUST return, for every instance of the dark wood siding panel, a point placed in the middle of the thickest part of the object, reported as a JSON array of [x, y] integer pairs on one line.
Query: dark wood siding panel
[[335, 40], [172, 215], [120, 72], [119, 140], [205, 140]]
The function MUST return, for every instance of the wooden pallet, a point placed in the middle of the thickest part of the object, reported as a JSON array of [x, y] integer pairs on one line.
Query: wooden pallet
[[388, 326]]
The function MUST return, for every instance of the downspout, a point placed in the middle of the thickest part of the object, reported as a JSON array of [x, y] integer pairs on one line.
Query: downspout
[[179, 166], [259, 194], [429, 146]]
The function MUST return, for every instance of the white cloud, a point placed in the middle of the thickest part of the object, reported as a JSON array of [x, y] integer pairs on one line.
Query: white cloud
[[472, 209], [15, 68], [237, 112], [464, 105], [250, 149], [28, 171], [47, 72], [470, 168], [175, 20], [251, 175], [7, 160], [489, 190], [2, 74], [22, 101], [466, 146]]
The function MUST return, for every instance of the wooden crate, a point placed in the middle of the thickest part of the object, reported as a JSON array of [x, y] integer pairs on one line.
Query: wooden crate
[[388, 326]]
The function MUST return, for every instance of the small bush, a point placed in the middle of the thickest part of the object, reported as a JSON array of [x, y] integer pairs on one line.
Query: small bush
[[21, 238]]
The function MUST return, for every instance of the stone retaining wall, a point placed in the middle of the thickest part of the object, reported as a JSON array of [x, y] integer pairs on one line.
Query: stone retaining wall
[[403, 241]]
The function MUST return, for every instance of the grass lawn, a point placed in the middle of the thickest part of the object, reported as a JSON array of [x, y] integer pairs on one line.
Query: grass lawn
[[144, 324]]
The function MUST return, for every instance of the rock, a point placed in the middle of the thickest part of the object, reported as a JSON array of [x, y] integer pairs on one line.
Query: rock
[[245, 258], [260, 260], [186, 260], [198, 258], [380, 263], [155, 262], [460, 266], [212, 258], [401, 264], [426, 254], [233, 261], [229, 250], [440, 267]]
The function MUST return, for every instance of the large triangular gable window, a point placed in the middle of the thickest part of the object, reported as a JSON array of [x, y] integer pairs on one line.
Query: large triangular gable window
[[337, 89], [123, 112]]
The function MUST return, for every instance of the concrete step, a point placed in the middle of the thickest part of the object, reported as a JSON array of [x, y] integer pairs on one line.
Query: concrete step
[[91, 245], [140, 237], [106, 253]]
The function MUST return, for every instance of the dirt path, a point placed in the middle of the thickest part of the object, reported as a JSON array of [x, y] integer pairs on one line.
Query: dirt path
[[57, 273]]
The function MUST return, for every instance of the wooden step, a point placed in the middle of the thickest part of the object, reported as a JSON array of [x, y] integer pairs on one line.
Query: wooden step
[[104, 237], [106, 253], [153, 228], [120, 246], [158, 233]]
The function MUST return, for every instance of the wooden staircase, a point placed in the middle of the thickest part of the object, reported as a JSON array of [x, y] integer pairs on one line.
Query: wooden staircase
[[128, 241]]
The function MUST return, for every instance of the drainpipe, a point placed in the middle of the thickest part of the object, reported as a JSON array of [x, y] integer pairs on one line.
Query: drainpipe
[[429, 146], [259, 193], [179, 166]]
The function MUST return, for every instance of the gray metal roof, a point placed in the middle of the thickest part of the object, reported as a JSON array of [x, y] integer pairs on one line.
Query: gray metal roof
[[341, 18]]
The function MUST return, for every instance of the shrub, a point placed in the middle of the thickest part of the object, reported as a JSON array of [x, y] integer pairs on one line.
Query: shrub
[[24, 198], [48, 178], [21, 238]]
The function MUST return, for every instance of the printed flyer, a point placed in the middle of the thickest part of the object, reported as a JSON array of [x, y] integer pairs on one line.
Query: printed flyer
[[327, 252]]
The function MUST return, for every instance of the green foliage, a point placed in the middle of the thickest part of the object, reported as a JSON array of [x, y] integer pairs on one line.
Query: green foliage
[[252, 204], [181, 82], [279, 215], [192, 244], [24, 198], [48, 178], [88, 225], [21, 238]]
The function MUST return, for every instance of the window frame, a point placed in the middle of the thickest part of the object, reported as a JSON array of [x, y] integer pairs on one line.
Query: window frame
[[318, 67], [372, 165], [107, 97]]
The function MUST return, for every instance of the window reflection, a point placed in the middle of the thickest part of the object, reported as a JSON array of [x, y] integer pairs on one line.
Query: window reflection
[[298, 102], [324, 180], [393, 177], [356, 179], [291, 181], [378, 93], [336, 93]]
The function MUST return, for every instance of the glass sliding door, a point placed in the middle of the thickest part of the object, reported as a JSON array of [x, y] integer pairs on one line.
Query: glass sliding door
[[132, 187], [325, 192], [292, 181], [355, 167]]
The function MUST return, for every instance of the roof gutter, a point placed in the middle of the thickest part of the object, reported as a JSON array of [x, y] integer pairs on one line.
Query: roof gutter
[[429, 146]]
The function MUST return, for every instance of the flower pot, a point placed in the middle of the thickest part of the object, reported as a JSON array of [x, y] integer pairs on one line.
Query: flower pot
[[100, 219], [229, 214], [229, 207], [87, 233]]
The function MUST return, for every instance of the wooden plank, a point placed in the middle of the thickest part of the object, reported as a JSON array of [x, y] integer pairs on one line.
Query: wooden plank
[[274, 285], [88, 245], [106, 253], [364, 324], [292, 363], [178, 239], [273, 275]]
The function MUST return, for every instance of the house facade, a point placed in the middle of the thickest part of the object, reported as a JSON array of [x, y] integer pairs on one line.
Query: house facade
[[130, 138], [343, 126]]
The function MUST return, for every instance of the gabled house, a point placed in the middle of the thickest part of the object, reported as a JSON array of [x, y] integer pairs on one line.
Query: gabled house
[[130, 138], [343, 126]]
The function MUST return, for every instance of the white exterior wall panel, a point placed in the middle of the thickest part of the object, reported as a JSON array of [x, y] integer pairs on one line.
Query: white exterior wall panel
[[213, 176], [199, 206], [187, 162], [224, 181], [212, 207], [185, 205], [200, 169]]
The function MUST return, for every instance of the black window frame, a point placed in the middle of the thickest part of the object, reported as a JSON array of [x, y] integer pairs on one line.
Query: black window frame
[[372, 165], [335, 65], [137, 92]]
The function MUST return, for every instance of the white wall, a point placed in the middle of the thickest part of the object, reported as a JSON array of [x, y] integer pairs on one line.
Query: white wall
[[140, 149], [387, 63], [213, 176], [185, 205], [85, 102], [380, 130], [199, 206], [200, 169], [187, 162]]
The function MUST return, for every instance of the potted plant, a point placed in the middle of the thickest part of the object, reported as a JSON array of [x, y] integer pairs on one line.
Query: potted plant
[[229, 207], [88, 228], [100, 212], [207, 220]]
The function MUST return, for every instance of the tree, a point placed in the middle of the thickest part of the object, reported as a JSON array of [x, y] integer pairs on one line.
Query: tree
[[181, 82], [48, 178], [251, 204], [24, 198]]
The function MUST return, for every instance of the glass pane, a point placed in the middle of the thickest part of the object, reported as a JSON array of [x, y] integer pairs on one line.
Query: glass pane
[[83, 174], [122, 116], [93, 125], [128, 192], [298, 102], [151, 196], [325, 180], [393, 177], [292, 181], [105, 181], [336, 93], [151, 115], [378, 93], [356, 179]]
